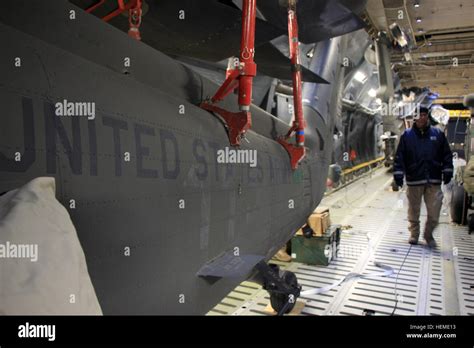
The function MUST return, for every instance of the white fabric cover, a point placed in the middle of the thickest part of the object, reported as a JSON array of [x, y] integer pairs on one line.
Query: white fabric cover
[[58, 283]]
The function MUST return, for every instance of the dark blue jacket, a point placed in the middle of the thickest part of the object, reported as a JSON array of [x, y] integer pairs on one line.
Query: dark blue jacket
[[423, 156]]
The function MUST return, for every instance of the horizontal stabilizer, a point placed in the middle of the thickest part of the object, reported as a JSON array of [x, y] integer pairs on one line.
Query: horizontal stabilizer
[[271, 62], [318, 20]]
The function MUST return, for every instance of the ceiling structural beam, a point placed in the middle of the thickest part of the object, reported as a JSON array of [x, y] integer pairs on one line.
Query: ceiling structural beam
[[433, 68], [451, 31], [452, 97], [416, 55], [452, 79]]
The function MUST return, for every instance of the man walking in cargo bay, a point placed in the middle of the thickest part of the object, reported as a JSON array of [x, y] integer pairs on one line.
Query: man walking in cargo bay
[[424, 158]]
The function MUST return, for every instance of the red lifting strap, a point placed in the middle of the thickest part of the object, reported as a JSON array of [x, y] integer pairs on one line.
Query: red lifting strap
[[240, 74], [297, 151], [122, 7], [134, 8], [134, 20]]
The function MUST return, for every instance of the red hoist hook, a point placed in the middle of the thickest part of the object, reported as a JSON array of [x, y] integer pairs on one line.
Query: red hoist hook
[[297, 151], [240, 74], [135, 19]]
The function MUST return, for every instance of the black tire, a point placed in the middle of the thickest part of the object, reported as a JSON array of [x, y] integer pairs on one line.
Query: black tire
[[471, 223], [459, 205], [278, 300]]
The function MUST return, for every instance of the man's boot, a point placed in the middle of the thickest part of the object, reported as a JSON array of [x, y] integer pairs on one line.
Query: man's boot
[[414, 236], [281, 255], [413, 240], [428, 235], [430, 240]]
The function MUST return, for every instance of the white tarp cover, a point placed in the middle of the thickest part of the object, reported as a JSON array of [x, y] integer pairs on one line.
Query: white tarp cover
[[54, 278]]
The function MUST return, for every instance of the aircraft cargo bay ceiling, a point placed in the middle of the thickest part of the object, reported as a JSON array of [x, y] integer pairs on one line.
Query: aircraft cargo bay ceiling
[[441, 53]]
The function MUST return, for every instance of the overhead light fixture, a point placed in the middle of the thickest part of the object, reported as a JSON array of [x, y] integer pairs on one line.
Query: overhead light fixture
[[416, 4], [360, 76], [372, 93], [398, 35], [440, 114], [418, 19]]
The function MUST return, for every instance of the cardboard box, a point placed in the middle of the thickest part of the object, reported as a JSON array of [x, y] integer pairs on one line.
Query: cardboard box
[[321, 209], [319, 222], [316, 250]]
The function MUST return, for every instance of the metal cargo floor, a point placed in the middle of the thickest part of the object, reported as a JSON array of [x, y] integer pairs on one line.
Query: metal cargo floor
[[439, 282]]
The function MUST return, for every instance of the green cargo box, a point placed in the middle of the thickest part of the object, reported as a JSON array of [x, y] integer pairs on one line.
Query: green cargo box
[[316, 250]]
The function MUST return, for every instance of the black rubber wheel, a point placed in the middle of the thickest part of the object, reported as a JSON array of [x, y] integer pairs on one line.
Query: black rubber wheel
[[459, 205], [278, 300], [470, 222]]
